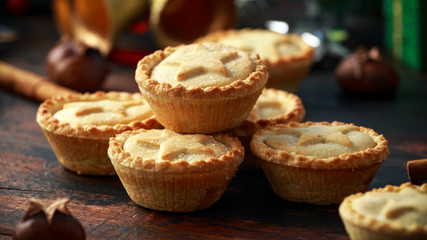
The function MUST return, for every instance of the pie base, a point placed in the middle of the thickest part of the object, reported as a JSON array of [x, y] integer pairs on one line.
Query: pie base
[[205, 116], [359, 233], [174, 192], [85, 156], [317, 186]]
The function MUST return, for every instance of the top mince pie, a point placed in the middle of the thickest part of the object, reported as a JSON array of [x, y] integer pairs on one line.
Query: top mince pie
[[201, 88]]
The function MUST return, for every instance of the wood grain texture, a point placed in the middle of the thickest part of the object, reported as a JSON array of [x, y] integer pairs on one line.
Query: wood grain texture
[[249, 209]]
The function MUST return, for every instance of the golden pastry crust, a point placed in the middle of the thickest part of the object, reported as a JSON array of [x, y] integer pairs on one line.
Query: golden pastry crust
[[256, 79], [362, 226], [45, 116], [287, 108], [229, 159], [200, 109], [174, 183], [286, 68], [362, 158]]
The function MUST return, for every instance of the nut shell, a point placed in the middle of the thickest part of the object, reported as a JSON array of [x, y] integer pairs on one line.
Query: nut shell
[[74, 65], [365, 72], [49, 223]]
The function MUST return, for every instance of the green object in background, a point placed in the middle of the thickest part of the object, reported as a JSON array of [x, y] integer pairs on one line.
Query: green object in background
[[405, 27], [337, 35]]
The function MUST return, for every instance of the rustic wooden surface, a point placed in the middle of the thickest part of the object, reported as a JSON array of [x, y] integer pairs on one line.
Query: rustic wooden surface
[[249, 209]]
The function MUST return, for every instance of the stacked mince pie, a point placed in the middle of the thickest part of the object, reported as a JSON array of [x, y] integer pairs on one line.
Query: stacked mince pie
[[195, 92]]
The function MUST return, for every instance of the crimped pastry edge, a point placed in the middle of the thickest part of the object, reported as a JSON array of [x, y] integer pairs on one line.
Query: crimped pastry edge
[[48, 108], [296, 111], [228, 160], [346, 160], [349, 215], [256, 80], [306, 54]]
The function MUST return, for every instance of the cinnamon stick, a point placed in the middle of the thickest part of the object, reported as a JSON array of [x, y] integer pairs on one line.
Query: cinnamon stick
[[29, 84], [417, 170]]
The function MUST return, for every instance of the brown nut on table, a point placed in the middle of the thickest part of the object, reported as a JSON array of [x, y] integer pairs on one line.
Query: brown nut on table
[[52, 222], [75, 65], [417, 170], [365, 72]]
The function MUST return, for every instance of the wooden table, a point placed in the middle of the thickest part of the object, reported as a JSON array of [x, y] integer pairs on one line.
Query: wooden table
[[249, 209]]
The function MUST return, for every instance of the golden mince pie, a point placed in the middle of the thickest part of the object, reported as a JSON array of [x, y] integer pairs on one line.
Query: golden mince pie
[[201, 88], [168, 171], [392, 212], [319, 163], [287, 56], [78, 127], [273, 106]]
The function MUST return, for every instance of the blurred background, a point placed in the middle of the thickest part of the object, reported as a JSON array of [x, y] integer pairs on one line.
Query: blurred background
[[125, 31], [350, 23]]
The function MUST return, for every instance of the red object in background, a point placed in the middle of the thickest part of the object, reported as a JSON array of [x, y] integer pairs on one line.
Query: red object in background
[[127, 57], [17, 7], [140, 27]]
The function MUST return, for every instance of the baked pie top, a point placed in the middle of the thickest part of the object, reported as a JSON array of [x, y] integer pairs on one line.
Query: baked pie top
[[271, 46], [393, 207], [201, 68], [276, 106], [167, 150], [98, 115], [203, 65], [320, 145], [103, 112]]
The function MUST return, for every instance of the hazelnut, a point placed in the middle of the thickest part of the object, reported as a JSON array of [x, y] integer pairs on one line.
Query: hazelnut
[[73, 64], [52, 222], [364, 72]]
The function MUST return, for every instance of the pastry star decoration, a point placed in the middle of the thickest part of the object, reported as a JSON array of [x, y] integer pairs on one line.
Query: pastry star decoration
[[396, 207], [325, 134], [313, 135], [264, 102], [86, 108], [199, 59], [266, 107], [172, 144]]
